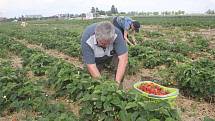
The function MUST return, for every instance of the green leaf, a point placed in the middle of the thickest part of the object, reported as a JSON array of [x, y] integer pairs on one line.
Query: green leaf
[[134, 115], [123, 115], [169, 119], [151, 106], [116, 101], [208, 119], [154, 119], [109, 119], [164, 111], [140, 119], [87, 110], [107, 107], [131, 105]]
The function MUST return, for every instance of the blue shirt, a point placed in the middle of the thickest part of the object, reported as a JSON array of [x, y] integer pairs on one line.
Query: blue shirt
[[124, 22], [92, 53]]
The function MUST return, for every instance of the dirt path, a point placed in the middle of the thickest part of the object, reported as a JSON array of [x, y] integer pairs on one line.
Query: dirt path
[[152, 27], [72, 60], [70, 106], [143, 74], [16, 61], [18, 116], [192, 110], [208, 34]]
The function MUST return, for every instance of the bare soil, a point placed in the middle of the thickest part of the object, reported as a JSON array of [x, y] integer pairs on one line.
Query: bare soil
[[18, 116], [192, 110], [16, 61], [151, 27], [208, 34], [70, 106], [143, 74]]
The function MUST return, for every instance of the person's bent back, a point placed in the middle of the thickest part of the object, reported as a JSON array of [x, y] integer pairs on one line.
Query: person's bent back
[[99, 43]]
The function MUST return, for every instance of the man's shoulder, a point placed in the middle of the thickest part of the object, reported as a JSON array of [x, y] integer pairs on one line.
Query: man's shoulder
[[128, 18], [118, 33], [91, 28], [89, 31]]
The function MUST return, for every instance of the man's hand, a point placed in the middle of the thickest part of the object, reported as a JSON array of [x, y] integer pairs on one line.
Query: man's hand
[[135, 42], [133, 38], [93, 70], [126, 38], [123, 60]]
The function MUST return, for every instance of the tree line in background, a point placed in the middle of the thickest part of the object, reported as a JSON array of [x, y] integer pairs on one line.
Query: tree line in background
[[209, 11], [97, 12], [164, 13], [114, 10]]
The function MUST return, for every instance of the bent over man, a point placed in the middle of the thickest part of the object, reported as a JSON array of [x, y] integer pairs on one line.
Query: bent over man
[[100, 42], [124, 24]]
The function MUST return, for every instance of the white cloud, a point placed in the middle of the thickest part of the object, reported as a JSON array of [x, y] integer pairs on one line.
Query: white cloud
[[212, 1], [3, 4]]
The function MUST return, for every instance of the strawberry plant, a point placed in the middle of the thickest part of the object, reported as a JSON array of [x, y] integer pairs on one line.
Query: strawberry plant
[[186, 22], [208, 119], [197, 78], [133, 66], [28, 95], [152, 34], [15, 91], [200, 43], [40, 63], [176, 47], [52, 112], [106, 102]]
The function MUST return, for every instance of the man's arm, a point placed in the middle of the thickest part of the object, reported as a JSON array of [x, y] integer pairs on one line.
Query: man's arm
[[133, 38], [122, 52], [123, 60], [88, 55], [89, 60], [126, 37], [93, 70]]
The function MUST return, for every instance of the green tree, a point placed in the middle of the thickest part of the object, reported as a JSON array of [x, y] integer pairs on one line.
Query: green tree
[[209, 11], [101, 12], [93, 10], [114, 10], [155, 13]]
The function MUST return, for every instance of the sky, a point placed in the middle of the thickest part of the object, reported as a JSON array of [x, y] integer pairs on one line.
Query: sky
[[16, 8]]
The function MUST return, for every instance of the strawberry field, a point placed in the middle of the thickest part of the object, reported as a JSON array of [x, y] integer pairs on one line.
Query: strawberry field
[[42, 77]]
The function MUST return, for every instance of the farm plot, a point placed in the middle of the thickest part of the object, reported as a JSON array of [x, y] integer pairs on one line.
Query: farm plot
[[174, 56]]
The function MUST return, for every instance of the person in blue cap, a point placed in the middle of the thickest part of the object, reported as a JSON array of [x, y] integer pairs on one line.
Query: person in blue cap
[[124, 24]]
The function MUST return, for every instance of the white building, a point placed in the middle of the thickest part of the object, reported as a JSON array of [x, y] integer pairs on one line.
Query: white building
[[33, 16], [64, 16], [89, 16], [2, 18]]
